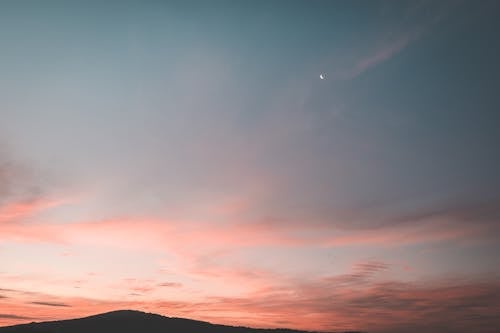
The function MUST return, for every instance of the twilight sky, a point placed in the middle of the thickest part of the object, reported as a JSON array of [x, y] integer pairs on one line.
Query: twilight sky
[[184, 158]]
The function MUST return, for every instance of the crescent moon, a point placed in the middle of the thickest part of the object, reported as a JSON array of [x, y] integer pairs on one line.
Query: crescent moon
[[322, 76]]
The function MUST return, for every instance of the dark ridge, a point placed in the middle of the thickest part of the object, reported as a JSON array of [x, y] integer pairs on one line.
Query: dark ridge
[[131, 321]]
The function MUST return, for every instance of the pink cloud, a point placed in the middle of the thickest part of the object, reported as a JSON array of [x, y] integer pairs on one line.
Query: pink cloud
[[354, 301], [382, 54], [30, 233], [15, 227], [184, 236], [15, 210], [202, 237]]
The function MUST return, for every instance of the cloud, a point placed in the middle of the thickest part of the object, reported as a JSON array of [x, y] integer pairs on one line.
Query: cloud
[[462, 220], [446, 306], [8, 174], [142, 289], [378, 307], [50, 304], [383, 53], [360, 274], [23, 195], [394, 236], [15, 210], [30, 233], [170, 284], [448, 222], [17, 180], [366, 304], [11, 316], [407, 27], [370, 267]]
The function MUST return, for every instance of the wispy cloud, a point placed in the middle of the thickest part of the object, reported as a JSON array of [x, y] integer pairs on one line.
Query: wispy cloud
[[14, 317], [170, 284], [448, 222], [16, 210], [50, 304], [225, 192], [366, 303], [418, 19], [18, 181], [383, 53]]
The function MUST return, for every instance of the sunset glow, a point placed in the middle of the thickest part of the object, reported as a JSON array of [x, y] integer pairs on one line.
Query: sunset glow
[[316, 165]]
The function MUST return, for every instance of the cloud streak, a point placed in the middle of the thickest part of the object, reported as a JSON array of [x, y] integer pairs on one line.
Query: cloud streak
[[358, 300], [418, 19], [222, 180], [50, 304], [13, 317], [439, 224], [170, 284], [383, 54]]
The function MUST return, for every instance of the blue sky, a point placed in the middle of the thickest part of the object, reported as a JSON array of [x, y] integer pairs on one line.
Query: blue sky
[[197, 139]]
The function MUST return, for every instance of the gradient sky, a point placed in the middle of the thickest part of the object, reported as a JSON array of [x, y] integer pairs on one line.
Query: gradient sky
[[184, 158]]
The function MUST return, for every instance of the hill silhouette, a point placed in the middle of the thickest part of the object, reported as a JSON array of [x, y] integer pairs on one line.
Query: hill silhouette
[[129, 321]]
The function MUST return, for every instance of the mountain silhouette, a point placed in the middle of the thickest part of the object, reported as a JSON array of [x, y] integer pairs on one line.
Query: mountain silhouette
[[129, 321]]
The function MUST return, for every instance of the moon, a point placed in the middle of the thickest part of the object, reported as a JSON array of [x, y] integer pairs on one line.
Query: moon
[[322, 76]]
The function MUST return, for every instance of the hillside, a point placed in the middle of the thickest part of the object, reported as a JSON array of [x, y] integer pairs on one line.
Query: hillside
[[128, 321]]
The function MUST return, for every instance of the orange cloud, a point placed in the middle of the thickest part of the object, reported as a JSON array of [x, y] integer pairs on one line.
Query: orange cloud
[[447, 305]]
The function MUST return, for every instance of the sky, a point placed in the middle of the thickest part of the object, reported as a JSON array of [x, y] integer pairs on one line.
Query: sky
[[185, 158]]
